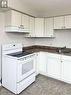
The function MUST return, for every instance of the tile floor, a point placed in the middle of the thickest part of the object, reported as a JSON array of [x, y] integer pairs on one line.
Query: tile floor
[[43, 86]]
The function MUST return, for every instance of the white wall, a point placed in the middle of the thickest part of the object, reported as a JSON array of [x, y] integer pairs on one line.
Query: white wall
[[62, 38]]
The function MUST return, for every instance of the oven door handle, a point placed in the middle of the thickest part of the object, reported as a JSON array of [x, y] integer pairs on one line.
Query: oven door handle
[[26, 58]]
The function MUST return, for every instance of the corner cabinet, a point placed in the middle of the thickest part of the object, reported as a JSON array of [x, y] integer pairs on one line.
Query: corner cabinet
[[32, 27], [39, 27], [44, 27], [49, 32]]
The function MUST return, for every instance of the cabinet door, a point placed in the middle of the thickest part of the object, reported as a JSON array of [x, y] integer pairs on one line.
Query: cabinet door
[[13, 18], [53, 67], [25, 21], [32, 27], [42, 62], [66, 70], [49, 27], [39, 27], [37, 63], [59, 22], [68, 21]]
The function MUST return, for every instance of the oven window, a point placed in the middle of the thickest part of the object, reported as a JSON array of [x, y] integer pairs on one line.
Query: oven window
[[27, 67]]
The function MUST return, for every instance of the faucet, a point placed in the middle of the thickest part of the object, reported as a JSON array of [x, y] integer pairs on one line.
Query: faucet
[[63, 47]]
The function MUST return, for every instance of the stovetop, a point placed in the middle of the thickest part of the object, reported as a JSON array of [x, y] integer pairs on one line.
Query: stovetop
[[19, 54]]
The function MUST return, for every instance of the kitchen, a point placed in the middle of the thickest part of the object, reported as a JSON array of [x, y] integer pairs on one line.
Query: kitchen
[[61, 38]]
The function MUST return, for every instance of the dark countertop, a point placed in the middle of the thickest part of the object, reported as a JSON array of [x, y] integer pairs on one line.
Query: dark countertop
[[38, 48]]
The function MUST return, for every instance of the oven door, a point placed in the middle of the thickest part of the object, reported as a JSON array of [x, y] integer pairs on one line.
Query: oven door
[[25, 67]]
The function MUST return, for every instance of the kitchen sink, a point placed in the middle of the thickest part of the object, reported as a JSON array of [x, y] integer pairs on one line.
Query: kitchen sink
[[64, 51]]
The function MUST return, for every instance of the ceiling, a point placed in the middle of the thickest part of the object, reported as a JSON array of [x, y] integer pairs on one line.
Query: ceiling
[[44, 8]]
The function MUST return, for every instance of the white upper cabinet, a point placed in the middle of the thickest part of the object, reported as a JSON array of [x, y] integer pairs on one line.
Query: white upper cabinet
[[32, 27], [39, 27], [49, 32], [16, 22], [68, 21], [59, 22], [25, 21], [12, 18], [62, 22]]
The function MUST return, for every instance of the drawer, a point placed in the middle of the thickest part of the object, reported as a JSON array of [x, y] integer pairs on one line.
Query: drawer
[[25, 83]]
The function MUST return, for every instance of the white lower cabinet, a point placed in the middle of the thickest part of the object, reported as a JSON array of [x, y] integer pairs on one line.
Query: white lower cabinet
[[53, 66], [42, 62], [37, 63], [59, 67], [66, 69]]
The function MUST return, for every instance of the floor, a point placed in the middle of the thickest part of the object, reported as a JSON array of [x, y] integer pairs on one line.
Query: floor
[[43, 86]]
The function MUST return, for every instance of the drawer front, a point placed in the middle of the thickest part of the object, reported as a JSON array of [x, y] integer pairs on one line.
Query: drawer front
[[25, 83]]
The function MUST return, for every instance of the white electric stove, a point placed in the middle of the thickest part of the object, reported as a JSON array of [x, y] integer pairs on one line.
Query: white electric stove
[[18, 68]]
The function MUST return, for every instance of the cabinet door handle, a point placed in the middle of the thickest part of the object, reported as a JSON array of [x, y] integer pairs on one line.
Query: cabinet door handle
[[21, 26]]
